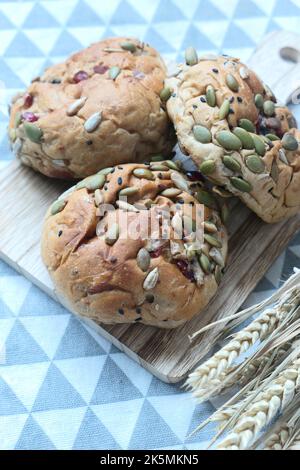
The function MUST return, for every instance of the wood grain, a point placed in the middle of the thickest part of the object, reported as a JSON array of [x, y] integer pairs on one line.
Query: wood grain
[[167, 353]]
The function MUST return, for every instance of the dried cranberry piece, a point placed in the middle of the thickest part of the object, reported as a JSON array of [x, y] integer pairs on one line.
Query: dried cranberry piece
[[184, 268], [28, 100], [195, 176], [100, 69], [79, 76], [29, 117]]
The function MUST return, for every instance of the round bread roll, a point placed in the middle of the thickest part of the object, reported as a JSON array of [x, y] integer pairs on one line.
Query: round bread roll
[[114, 255], [101, 107], [228, 121]]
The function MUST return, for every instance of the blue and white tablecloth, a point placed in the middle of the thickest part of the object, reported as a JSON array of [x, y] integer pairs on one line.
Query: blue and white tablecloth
[[61, 385]]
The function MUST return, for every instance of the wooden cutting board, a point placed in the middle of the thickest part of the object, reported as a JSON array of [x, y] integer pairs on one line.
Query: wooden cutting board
[[253, 245]]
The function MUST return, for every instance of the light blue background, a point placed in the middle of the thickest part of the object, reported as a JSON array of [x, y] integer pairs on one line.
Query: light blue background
[[62, 386]]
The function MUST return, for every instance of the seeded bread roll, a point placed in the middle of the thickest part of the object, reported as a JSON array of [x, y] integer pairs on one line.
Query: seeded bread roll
[[228, 121], [101, 107], [105, 270]]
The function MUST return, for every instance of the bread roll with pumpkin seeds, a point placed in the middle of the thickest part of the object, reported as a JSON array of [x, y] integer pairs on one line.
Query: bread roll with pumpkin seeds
[[101, 107], [228, 121], [113, 270]]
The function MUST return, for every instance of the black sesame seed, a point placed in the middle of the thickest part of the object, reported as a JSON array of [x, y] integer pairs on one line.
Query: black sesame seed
[[215, 70], [105, 188], [120, 167], [113, 170], [120, 181], [240, 99], [89, 142], [202, 99], [173, 95], [113, 260], [180, 201], [231, 111], [138, 319], [138, 310], [121, 311], [231, 100], [195, 106], [150, 298], [60, 233], [56, 81]]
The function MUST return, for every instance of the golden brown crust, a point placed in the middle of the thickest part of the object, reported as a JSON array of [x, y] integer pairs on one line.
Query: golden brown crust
[[133, 123], [272, 190], [103, 280]]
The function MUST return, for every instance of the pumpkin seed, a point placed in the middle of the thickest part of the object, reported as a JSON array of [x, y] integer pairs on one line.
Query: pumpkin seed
[[143, 173], [207, 167], [210, 96], [218, 274], [228, 140], [244, 74], [76, 106], [232, 82], [123, 205], [112, 234], [128, 191], [170, 164], [92, 182], [210, 227], [180, 182], [274, 173], [171, 192], [191, 56], [231, 163], [143, 259], [213, 241], [259, 145], [282, 156], [255, 164], [241, 184], [217, 257], [105, 171], [289, 142], [259, 101], [224, 109], [159, 168], [202, 134], [225, 212], [128, 46], [58, 206], [272, 137], [33, 132], [114, 72], [245, 138], [269, 108], [247, 125], [157, 158], [99, 199], [151, 280], [93, 122], [165, 94], [206, 198], [205, 263]]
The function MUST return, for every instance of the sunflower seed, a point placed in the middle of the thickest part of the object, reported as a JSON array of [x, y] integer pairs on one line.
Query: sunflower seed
[[259, 101], [33, 132], [207, 167], [99, 199], [228, 140], [269, 108], [255, 164], [76, 106], [191, 56], [241, 184], [217, 257], [123, 205], [93, 122], [272, 137], [274, 173], [128, 191], [202, 134], [143, 173], [92, 182], [218, 274], [224, 109], [176, 223], [159, 167], [128, 46], [143, 259], [289, 142], [232, 82], [247, 125], [206, 198], [165, 94], [170, 164], [112, 234], [171, 192], [205, 263], [180, 182], [259, 145], [244, 74], [57, 206], [105, 171], [225, 212], [211, 96], [114, 72], [231, 163], [151, 280], [213, 241], [245, 138], [210, 227], [282, 156]]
